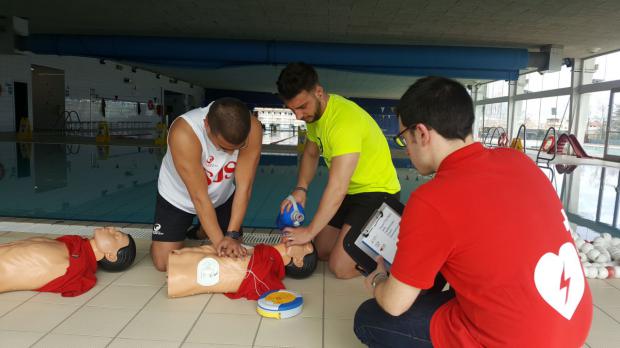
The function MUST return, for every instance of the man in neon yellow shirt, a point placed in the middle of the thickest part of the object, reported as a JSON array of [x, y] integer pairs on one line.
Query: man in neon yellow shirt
[[361, 172]]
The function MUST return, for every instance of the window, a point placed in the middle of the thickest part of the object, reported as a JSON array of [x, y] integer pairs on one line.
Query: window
[[537, 82], [491, 90], [539, 114], [595, 108], [602, 68]]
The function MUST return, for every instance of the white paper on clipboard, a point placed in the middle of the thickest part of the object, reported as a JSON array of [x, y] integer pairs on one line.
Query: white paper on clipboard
[[380, 235]]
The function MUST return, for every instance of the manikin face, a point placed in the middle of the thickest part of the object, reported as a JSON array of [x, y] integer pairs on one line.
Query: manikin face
[[298, 252], [109, 240], [307, 105]]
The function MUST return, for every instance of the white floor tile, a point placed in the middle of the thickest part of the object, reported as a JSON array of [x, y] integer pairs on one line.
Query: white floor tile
[[339, 334], [161, 302], [129, 343], [18, 339], [604, 330], [69, 341], [225, 329], [124, 297], [39, 317], [95, 321], [155, 325], [294, 332], [223, 305]]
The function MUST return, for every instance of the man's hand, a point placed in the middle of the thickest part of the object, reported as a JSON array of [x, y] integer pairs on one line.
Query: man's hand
[[300, 197], [231, 248], [379, 273], [297, 236]]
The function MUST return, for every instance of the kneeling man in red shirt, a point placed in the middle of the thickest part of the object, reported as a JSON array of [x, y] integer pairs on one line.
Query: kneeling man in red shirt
[[491, 223]]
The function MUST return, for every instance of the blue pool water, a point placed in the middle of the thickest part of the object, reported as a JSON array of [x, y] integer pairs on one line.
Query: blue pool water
[[119, 183]]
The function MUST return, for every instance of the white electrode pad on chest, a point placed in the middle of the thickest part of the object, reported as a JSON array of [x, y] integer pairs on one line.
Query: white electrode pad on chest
[[208, 272]]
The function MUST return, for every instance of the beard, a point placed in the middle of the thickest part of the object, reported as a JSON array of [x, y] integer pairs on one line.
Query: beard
[[317, 113]]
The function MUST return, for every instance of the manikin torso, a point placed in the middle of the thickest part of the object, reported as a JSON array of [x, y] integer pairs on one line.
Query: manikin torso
[[182, 276], [31, 263]]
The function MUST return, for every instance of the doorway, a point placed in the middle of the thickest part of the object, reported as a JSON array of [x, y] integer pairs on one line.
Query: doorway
[[174, 105], [612, 141], [20, 90], [48, 97]]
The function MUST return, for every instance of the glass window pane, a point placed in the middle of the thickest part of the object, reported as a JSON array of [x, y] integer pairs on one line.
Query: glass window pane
[[602, 68], [594, 107]]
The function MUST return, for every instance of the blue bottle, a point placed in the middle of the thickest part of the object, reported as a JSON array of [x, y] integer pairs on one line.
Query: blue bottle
[[292, 217]]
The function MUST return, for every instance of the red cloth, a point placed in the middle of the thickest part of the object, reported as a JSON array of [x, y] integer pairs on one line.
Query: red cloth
[[80, 276], [265, 272], [485, 221]]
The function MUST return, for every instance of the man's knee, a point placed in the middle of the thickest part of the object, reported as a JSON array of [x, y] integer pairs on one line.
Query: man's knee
[[342, 270], [159, 256]]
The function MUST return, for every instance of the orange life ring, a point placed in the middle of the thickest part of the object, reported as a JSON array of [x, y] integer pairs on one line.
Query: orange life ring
[[548, 143]]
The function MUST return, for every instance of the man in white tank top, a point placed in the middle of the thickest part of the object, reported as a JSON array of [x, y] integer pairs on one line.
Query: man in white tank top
[[207, 172]]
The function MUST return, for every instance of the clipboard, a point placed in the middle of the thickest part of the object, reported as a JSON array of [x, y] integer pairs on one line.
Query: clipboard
[[358, 243]]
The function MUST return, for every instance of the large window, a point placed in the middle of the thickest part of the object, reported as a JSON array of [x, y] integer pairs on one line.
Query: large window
[[540, 114], [602, 68], [538, 82], [594, 109], [491, 90]]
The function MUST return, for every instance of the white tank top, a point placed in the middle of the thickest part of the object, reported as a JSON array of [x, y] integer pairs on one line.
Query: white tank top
[[219, 168]]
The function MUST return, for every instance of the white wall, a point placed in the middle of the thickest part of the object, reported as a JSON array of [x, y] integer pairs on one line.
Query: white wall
[[86, 83]]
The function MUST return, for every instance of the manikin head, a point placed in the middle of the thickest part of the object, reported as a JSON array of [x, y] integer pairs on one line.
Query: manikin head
[[115, 251], [304, 260], [228, 124], [299, 88], [436, 116]]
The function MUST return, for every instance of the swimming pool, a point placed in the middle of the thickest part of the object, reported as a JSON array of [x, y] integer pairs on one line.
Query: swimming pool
[[119, 183]]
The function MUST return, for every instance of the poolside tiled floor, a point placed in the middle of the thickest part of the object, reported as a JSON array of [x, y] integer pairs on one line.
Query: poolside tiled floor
[[130, 309]]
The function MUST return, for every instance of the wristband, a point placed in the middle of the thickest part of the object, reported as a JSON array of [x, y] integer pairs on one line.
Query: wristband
[[233, 234], [299, 188], [381, 275]]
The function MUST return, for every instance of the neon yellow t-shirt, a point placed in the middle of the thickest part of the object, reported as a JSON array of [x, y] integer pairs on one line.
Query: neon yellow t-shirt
[[346, 128]]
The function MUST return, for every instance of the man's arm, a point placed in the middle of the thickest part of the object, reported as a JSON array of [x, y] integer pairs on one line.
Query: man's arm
[[309, 163], [394, 296], [187, 155], [340, 174], [245, 172]]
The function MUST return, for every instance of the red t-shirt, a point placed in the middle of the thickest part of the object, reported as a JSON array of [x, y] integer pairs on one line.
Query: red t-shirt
[[80, 276], [492, 224]]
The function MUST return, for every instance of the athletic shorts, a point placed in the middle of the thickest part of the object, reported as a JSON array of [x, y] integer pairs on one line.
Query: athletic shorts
[[356, 209], [171, 223]]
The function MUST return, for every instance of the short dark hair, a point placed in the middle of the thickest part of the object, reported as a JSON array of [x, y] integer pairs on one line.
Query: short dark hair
[[439, 103], [124, 258], [310, 262], [295, 78], [230, 118]]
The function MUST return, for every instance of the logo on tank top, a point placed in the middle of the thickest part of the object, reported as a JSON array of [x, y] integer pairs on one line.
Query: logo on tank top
[[225, 173], [559, 278]]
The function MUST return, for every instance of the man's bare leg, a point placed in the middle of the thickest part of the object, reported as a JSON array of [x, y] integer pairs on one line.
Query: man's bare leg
[[160, 252], [325, 241], [340, 263]]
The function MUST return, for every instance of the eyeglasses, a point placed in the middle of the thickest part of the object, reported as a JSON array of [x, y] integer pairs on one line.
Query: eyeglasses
[[399, 139]]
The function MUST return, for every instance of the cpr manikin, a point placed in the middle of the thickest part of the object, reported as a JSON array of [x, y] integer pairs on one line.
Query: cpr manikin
[[199, 270], [65, 265]]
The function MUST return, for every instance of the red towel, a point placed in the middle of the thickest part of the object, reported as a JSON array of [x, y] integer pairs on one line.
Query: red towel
[[265, 272], [80, 276]]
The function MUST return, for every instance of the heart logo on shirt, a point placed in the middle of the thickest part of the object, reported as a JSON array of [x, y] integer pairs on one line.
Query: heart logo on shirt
[[559, 280]]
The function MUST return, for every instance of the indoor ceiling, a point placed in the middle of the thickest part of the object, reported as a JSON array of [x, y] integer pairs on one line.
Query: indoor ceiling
[[581, 27]]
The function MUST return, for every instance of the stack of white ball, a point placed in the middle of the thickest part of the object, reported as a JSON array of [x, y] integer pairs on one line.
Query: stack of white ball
[[601, 257]]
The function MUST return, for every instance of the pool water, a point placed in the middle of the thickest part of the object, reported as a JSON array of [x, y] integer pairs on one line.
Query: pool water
[[119, 183]]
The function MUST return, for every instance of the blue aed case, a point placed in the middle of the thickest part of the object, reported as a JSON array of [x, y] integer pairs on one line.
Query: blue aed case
[[280, 304]]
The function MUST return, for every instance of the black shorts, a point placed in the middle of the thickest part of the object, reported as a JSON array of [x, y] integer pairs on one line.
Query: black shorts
[[171, 223], [356, 209]]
